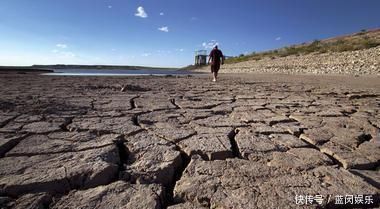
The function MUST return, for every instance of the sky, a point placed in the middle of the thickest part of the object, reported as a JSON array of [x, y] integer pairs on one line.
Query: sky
[[166, 33]]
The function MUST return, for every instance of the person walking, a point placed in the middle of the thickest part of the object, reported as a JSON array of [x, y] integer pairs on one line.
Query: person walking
[[216, 57]]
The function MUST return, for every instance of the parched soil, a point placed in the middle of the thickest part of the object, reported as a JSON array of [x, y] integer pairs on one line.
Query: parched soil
[[247, 141]]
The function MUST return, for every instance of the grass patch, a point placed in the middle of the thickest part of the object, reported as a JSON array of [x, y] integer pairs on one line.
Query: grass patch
[[359, 41]]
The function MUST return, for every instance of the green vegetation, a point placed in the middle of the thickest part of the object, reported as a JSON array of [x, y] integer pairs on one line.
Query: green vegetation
[[362, 40]]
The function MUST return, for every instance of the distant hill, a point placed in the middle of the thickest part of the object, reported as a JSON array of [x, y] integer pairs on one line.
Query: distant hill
[[50, 68], [355, 54], [103, 67], [364, 39]]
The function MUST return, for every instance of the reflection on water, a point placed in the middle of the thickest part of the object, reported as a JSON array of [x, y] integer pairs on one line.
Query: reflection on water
[[114, 72]]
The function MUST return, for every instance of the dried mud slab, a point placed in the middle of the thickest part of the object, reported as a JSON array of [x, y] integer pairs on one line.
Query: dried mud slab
[[8, 141], [170, 125], [209, 146], [119, 125], [115, 103], [58, 172], [236, 183], [151, 159], [115, 195], [186, 205], [366, 156], [154, 102], [300, 159], [34, 125], [185, 142], [27, 201], [53, 144]]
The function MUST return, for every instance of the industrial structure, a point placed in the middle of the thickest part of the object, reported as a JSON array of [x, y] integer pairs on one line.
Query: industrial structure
[[200, 57]]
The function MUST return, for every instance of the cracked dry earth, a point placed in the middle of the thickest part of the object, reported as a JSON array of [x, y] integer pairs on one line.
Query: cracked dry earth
[[257, 142]]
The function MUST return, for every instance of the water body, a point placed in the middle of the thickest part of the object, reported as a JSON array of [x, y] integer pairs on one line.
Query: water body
[[115, 72]]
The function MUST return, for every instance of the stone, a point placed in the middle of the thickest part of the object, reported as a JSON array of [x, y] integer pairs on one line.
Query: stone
[[115, 195]]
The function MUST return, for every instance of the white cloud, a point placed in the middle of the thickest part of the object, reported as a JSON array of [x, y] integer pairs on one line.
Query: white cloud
[[278, 38], [164, 29], [61, 51], [141, 12], [109, 6], [210, 45], [146, 54], [68, 54], [163, 51], [63, 54], [161, 14], [62, 46]]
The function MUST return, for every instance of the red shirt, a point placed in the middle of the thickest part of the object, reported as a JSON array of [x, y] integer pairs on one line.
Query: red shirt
[[215, 56]]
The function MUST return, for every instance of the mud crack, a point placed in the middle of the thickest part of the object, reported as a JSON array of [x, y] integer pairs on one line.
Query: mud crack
[[123, 155], [234, 146], [169, 198], [174, 103], [133, 103]]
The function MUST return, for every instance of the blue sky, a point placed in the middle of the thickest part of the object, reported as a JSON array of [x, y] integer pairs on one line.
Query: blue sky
[[167, 32]]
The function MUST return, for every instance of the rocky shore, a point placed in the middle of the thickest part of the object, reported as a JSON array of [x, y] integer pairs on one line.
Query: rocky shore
[[247, 141], [361, 62]]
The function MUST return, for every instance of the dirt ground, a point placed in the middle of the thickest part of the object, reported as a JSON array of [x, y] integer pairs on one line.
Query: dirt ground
[[247, 141]]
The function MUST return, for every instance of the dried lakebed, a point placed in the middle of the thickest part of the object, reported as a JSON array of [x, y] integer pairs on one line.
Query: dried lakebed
[[103, 142]]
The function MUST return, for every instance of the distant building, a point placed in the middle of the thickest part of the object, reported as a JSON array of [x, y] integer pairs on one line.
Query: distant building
[[200, 57]]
